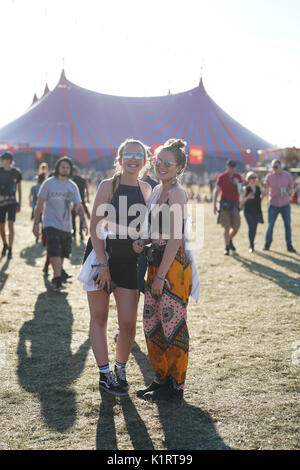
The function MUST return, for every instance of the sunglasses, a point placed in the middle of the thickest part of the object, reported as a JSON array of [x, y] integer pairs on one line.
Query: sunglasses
[[253, 177], [136, 156], [275, 167], [166, 163]]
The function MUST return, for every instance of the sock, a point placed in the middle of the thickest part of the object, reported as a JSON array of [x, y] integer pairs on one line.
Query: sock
[[120, 365], [104, 369]]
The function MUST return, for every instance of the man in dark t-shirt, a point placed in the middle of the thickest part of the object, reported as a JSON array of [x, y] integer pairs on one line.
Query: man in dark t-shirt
[[228, 186], [84, 194], [10, 184]]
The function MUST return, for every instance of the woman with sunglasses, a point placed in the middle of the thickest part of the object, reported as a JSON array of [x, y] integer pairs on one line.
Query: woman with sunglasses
[[115, 262], [251, 202], [169, 278]]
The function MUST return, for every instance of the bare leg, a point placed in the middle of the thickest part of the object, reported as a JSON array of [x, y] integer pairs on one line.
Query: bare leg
[[11, 233], [2, 232], [226, 236], [127, 305], [99, 305], [56, 263], [233, 233]]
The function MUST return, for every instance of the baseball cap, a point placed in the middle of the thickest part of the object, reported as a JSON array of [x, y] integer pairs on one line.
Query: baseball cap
[[7, 156], [231, 163]]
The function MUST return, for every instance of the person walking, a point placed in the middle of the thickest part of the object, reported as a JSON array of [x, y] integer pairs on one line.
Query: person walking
[[251, 198], [279, 184], [229, 186], [169, 278], [55, 199], [10, 184], [84, 194], [111, 265]]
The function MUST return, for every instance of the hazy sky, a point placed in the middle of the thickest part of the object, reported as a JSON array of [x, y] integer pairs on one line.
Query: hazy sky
[[248, 52]]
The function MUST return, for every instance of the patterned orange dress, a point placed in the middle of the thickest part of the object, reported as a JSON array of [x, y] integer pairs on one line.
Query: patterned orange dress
[[165, 322]]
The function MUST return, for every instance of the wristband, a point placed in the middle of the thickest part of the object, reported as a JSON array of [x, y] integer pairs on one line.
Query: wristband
[[164, 279], [100, 265]]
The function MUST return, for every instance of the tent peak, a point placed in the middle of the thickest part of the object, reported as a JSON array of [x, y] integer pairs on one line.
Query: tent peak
[[63, 78], [35, 99], [46, 91], [201, 85]]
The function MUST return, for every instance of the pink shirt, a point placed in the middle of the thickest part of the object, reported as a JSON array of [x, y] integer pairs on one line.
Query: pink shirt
[[279, 187]]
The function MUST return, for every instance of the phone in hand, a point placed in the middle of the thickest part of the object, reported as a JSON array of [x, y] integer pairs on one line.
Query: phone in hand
[[113, 285]]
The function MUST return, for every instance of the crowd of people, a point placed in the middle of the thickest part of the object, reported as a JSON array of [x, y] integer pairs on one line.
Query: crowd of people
[[237, 193], [138, 244]]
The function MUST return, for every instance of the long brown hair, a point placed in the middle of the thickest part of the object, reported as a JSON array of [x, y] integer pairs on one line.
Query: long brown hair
[[117, 166]]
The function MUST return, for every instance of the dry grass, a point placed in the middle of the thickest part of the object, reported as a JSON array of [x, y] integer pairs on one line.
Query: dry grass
[[242, 389]]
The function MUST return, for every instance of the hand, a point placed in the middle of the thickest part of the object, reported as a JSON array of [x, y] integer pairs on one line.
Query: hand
[[85, 228], [18, 207], [157, 287], [138, 246], [36, 230], [103, 278], [215, 210]]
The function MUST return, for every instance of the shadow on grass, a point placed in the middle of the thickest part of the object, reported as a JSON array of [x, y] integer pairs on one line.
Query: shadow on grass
[[77, 252], [3, 275], [292, 264], [283, 280], [46, 365], [106, 438], [185, 426], [30, 253]]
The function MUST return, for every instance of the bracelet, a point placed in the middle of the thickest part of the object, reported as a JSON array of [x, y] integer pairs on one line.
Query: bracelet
[[100, 265], [161, 278]]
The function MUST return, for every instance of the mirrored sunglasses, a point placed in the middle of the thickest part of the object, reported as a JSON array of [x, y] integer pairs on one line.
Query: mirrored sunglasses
[[166, 163], [136, 156]]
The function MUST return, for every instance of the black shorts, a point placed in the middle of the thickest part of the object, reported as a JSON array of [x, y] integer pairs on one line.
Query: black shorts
[[124, 274], [10, 210], [59, 243]]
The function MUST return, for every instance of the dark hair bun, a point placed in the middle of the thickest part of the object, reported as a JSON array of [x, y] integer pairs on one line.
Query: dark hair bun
[[177, 143]]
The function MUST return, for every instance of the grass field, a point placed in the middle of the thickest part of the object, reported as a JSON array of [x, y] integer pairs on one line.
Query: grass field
[[242, 387]]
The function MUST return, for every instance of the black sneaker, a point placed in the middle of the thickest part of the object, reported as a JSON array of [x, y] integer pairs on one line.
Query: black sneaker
[[231, 246], [4, 249], [266, 247], [9, 255], [108, 383], [56, 284], [226, 251], [165, 394], [291, 249], [151, 388], [65, 275], [120, 374]]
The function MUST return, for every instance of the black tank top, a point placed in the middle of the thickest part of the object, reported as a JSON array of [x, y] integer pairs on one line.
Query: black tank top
[[133, 195]]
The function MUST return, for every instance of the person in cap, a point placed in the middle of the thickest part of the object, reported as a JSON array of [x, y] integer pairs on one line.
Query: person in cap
[[10, 184], [228, 186], [279, 185]]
